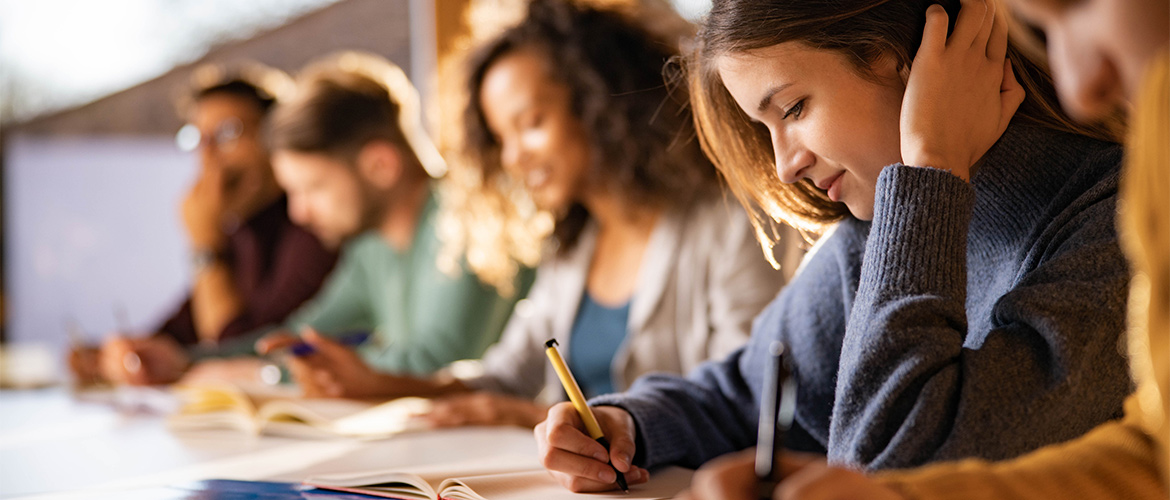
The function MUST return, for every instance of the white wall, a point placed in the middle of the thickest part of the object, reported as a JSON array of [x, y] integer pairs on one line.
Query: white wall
[[692, 9], [92, 225]]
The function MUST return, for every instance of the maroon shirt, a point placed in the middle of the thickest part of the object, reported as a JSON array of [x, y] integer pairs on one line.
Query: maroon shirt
[[276, 266]]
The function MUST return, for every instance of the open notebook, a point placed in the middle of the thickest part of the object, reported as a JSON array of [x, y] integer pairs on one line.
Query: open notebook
[[497, 481], [281, 411]]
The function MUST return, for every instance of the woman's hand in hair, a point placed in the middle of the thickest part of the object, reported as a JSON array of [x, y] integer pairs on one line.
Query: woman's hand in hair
[[961, 91], [580, 463]]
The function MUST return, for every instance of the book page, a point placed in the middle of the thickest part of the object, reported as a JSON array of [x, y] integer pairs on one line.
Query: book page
[[420, 482], [210, 406], [223, 419], [223, 396], [223, 405], [281, 410], [390, 485], [386, 419], [316, 412], [210, 398], [539, 485]]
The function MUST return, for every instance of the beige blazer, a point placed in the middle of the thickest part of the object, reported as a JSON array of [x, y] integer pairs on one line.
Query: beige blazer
[[702, 280]]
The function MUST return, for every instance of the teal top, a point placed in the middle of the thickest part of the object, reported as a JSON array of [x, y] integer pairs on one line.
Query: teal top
[[598, 332], [422, 318]]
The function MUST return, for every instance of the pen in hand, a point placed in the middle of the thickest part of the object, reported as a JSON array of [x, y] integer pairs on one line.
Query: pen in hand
[[579, 403], [777, 410], [131, 359], [350, 339]]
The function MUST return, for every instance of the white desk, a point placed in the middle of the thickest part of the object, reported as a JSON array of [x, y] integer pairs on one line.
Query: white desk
[[52, 443]]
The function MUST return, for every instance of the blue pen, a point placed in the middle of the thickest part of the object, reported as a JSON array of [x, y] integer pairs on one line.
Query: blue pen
[[350, 338]]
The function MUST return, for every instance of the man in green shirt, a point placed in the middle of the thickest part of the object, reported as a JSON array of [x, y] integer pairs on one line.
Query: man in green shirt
[[358, 173]]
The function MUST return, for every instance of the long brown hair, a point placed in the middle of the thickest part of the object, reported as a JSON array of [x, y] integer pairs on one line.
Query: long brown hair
[[863, 31]]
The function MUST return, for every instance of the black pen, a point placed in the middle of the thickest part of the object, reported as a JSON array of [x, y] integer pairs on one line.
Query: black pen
[[777, 410]]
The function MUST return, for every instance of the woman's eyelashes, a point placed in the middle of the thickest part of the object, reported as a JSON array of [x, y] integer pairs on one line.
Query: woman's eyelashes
[[795, 110]]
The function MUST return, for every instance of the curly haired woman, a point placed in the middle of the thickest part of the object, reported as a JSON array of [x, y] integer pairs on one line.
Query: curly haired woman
[[647, 268]]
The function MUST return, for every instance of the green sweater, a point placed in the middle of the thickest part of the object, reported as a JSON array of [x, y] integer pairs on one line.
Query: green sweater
[[422, 318]]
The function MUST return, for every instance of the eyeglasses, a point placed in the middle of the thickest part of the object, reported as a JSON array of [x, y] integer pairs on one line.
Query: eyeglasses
[[224, 137]]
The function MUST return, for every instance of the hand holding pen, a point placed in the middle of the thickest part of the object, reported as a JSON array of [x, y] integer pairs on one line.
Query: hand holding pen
[[325, 366], [84, 359], [156, 359], [777, 411], [755, 474], [302, 347], [571, 451]]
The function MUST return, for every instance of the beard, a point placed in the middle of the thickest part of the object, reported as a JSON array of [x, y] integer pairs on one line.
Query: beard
[[374, 205]]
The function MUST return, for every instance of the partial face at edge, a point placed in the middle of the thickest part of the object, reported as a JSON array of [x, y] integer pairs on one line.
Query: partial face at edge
[[1098, 49], [541, 142], [827, 123]]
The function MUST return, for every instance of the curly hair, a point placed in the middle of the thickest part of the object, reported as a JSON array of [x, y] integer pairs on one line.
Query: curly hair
[[640, 131], [861, 30]]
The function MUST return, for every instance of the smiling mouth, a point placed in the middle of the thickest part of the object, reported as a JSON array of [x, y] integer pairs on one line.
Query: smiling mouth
[[832, 186], [536, 178]]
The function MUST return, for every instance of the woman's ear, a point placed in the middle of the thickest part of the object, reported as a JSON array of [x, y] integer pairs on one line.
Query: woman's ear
[[380, 164], [889, 69]]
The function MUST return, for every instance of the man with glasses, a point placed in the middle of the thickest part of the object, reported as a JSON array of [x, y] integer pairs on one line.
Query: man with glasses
[[250, 265]]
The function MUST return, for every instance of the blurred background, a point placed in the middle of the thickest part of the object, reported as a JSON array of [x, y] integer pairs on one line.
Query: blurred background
[[90, 175]]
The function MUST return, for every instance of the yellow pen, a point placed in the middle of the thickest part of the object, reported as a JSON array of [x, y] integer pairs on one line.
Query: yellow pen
[[578, 400]]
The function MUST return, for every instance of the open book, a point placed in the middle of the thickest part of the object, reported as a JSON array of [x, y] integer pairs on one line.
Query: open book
[[494, 481], [281, 411]]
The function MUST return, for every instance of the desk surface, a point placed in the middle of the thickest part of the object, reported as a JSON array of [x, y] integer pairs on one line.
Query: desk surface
[[54, 442]]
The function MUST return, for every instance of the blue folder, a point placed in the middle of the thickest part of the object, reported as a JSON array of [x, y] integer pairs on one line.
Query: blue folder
[[226, 489]]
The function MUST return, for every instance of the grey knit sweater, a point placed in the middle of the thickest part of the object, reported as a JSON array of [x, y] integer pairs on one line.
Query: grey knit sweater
[[967, 320]]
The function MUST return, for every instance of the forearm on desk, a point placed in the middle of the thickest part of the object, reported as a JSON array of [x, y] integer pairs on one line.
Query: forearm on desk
[[400, 386], [241, 345], [215, 302]]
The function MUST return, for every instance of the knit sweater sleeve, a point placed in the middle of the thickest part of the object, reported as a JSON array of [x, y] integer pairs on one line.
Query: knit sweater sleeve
[[917, 385], [1115, 461], [715, 409]]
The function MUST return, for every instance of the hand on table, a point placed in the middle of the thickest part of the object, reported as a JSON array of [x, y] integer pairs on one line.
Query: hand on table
[[85, 365], [157, 359], [484, 408], [244, 369]]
